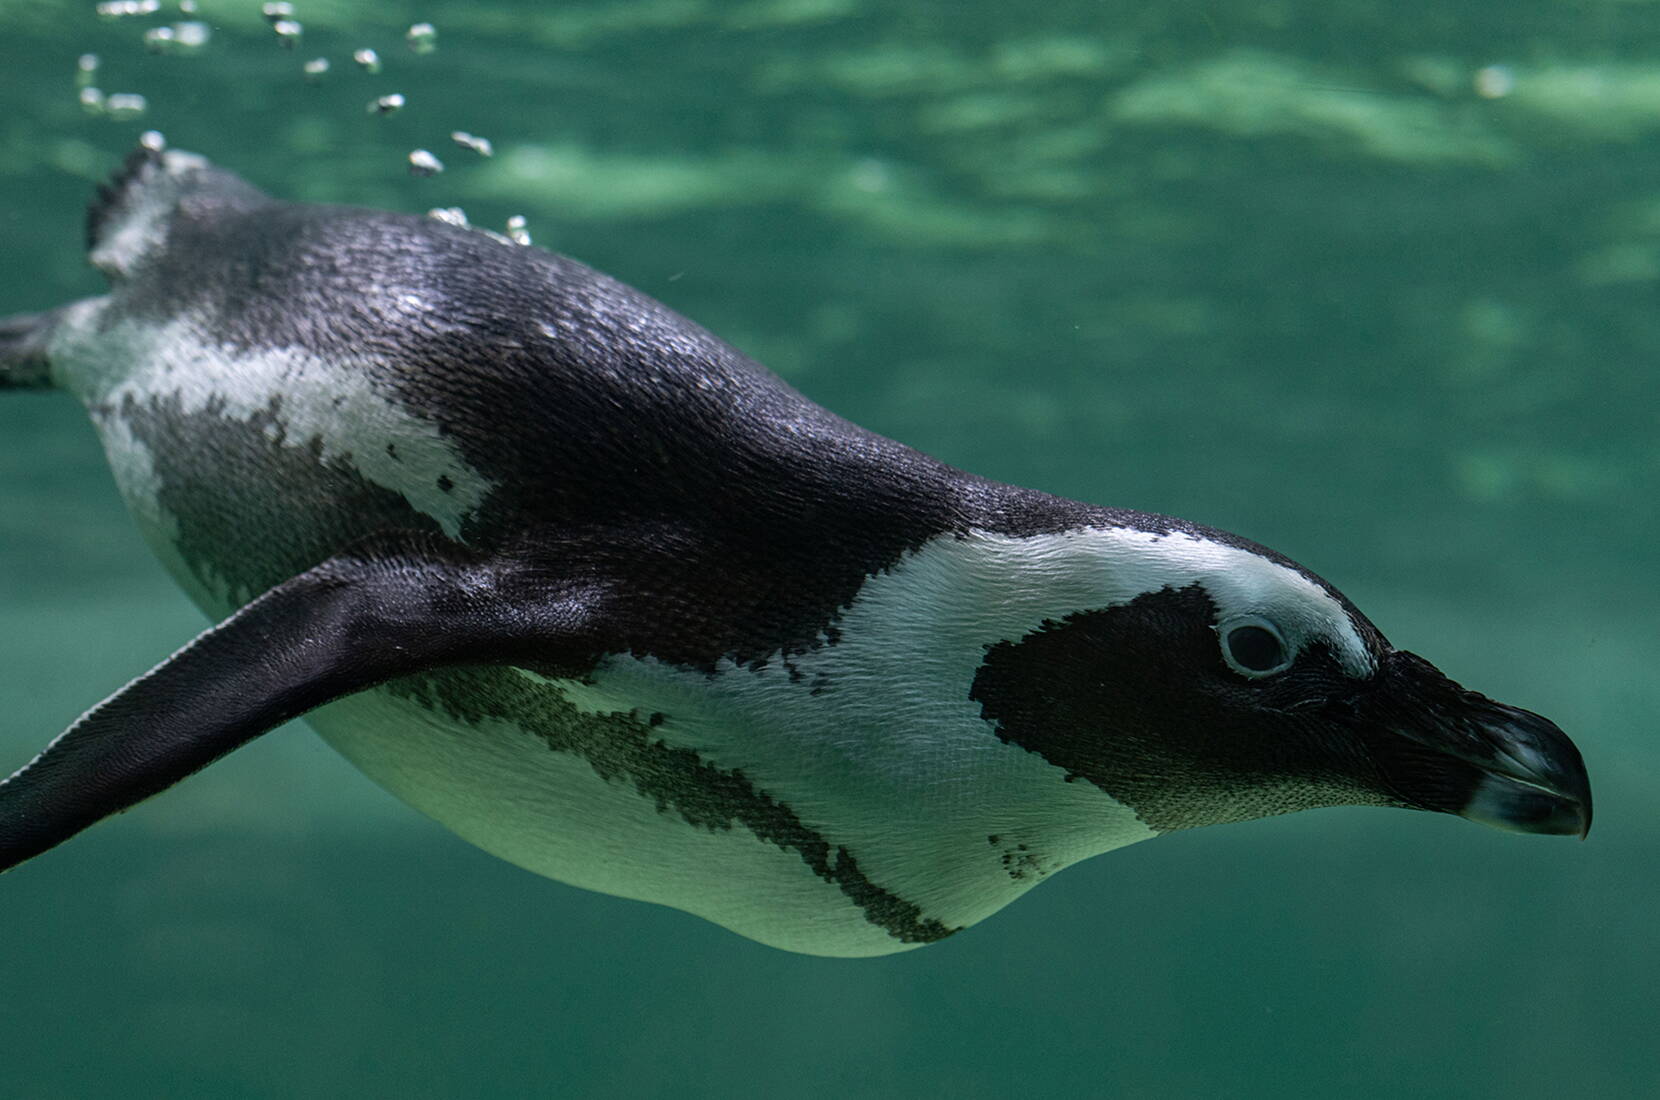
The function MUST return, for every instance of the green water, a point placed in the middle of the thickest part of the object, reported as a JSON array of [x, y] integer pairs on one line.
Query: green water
[[1372, 283]]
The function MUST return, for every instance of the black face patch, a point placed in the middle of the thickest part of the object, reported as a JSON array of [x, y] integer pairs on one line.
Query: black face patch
[[1137, 700]]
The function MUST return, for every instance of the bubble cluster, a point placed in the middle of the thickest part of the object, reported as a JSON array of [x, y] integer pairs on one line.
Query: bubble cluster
[[120, 105], [121, 9], [187, 37], [454, 215], [190, 35]]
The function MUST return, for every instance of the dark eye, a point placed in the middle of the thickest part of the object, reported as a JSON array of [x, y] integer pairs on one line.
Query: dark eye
[[1253, 646]]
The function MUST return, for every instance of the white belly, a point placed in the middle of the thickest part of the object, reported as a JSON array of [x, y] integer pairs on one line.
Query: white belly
[[784, 816], [503, 789]]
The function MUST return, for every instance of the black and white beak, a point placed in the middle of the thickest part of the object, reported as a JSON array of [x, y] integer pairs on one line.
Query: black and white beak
[[1443, 748], [1533, 781]]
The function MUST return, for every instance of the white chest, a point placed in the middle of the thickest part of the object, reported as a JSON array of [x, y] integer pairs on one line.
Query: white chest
[[785, 816]]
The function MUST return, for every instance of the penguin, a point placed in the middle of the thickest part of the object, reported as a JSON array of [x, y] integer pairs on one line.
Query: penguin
[[610, 600]]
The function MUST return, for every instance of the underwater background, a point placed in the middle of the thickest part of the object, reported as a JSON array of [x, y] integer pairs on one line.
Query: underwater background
[[1373, 283]]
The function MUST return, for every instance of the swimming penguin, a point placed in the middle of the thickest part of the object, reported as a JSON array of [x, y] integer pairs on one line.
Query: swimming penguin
[[567, 573]]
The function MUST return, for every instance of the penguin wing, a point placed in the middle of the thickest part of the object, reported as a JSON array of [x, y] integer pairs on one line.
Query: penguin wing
[[390, 606], [23, 351]]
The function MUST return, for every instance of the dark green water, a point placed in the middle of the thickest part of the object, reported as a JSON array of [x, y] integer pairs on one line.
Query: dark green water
[[1372, 283]]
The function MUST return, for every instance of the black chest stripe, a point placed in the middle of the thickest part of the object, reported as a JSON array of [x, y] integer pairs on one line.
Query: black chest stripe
[[621, 748]]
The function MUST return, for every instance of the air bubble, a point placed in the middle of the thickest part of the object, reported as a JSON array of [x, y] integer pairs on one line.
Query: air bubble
[[153, 140], [316, 69], [423, 163], [386, 104], [86, 69], [367, 60], [92, 101], [422, 38], [120, 9], [185, 37], [516, 231], [277, 12], [123, 105], [288, 32], [450, 215], [190, 36], [187, 7], [479, 145]]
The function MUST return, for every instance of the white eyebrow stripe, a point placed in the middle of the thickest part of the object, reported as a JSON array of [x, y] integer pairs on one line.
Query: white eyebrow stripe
[[1094, 568]]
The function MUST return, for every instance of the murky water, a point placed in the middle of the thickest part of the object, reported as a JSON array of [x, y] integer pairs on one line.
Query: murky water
[[1372, 283]]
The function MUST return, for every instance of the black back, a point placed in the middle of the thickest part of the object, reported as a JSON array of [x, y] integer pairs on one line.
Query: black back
[[618, 437]]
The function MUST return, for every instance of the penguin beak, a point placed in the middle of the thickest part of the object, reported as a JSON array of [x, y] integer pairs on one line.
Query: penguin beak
[[1500, 765], [1533, 780]]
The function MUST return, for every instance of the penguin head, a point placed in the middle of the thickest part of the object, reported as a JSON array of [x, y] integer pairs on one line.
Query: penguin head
[[1220, 681]]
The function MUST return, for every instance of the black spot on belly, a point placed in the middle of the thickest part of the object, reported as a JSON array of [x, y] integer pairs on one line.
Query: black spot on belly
[[621, 748], [254, 506], [1019, 861]]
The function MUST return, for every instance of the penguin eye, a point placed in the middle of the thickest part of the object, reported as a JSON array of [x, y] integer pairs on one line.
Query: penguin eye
[[1253, 646]]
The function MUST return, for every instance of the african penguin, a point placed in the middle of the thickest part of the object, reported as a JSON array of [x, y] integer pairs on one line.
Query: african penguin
[[572, 576]]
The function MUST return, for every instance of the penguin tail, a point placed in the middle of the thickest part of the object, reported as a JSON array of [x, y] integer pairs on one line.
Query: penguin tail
[[116, 199], [23, 362], [128, 220]]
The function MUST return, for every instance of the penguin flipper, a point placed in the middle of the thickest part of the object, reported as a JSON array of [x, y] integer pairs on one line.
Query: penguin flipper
[[389, 607], [23, 364]]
